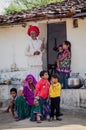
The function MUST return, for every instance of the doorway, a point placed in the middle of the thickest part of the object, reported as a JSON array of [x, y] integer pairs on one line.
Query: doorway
[[56, 34]]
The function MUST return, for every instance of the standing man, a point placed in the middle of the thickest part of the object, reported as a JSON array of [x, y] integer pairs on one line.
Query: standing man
[[34, 51]]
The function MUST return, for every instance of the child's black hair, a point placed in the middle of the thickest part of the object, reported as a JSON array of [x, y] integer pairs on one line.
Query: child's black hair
[[55, 76], [60, 45], [68, 44], [13, 90], [43, 72]]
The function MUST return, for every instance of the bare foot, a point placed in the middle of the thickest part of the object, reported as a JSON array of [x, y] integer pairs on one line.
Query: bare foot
[[6, 111], [17, 119]]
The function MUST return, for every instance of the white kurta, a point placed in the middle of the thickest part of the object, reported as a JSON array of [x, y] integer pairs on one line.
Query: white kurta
[[34, 61]]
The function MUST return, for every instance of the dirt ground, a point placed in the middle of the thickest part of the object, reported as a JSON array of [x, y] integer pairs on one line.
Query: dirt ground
[[70, 121]]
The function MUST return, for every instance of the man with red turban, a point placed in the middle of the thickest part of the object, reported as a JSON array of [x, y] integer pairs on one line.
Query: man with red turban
[[34, 51], [33, 28]]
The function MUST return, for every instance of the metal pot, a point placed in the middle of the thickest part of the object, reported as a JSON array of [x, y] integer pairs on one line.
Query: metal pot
[[75, 81], [85, 81]]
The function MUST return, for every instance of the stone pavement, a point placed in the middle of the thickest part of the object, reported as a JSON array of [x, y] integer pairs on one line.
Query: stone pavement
[[70, 121]]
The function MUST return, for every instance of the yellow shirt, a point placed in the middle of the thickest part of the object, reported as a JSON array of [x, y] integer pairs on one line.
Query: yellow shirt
[[54, 90]]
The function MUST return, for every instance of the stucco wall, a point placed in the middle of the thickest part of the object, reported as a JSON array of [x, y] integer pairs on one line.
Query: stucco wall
[[77, 36], [12, 46], [73, 98]]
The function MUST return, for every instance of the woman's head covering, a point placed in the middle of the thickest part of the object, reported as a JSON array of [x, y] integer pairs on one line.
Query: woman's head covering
[[28, 93], [32, 77], [33, 28]]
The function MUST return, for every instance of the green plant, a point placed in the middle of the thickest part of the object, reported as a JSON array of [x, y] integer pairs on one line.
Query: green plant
[[12, 8], [18, 5]]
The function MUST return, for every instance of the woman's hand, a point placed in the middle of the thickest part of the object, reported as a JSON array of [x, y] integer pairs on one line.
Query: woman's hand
[[36, 53]]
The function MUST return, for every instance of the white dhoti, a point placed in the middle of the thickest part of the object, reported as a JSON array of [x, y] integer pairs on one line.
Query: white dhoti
[[35, 71]]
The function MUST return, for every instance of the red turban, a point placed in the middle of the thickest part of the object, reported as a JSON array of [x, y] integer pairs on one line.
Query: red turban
[[33, 28]]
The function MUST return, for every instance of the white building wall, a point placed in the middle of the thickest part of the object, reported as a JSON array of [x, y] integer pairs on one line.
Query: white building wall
[[12, 46], [77, 37]]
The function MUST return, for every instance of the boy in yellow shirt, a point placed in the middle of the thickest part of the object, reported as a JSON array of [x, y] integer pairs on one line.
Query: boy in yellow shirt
[[54, 93]]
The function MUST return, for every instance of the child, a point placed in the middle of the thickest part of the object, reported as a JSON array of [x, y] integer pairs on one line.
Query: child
[[35, 114], [65, 62], [60, 53], [13, 93], [42, 90], [54, 93]]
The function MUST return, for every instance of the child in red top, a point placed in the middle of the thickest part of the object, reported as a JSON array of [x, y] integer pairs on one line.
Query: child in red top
[[42, 90]]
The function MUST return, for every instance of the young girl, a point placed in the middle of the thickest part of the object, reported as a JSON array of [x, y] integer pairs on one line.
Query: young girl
[[65, 62], [35, 114]]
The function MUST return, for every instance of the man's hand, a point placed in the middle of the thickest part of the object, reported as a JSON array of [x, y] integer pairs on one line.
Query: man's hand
[[36, 53]]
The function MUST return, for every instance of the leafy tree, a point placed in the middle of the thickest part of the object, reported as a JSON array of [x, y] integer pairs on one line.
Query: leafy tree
[[18, 5]]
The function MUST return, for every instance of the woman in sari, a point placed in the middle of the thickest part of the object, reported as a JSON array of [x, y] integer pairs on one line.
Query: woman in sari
[[21, 108], [29, 89]]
